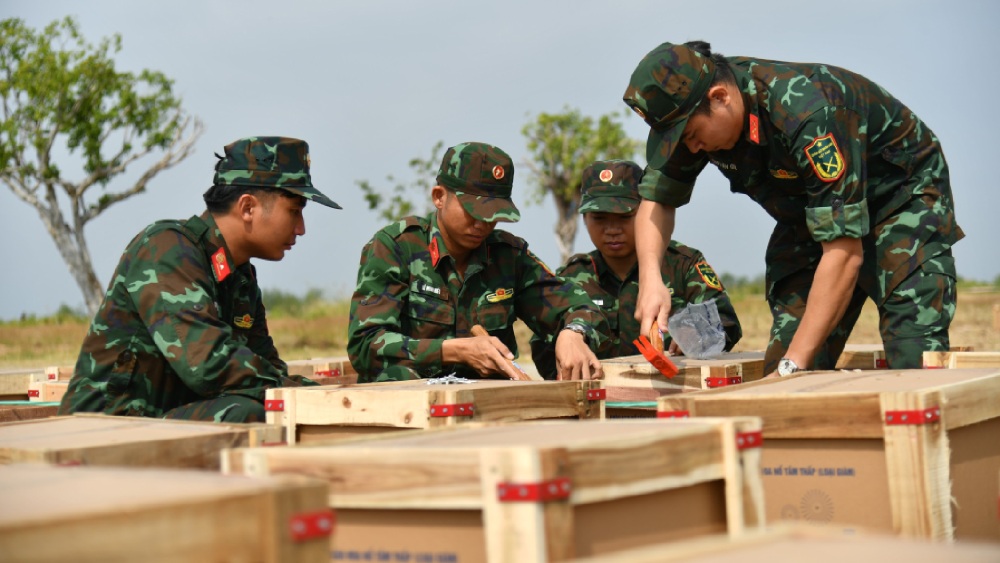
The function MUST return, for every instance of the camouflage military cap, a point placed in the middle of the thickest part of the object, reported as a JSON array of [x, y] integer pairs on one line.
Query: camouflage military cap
[[482, 177], [669, 83], [610, 186], [269, 162]]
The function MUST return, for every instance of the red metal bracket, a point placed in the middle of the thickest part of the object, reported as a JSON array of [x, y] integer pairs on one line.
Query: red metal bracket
[[274, 405], [546, 491], [34, 393], [713, 382], [459, 409], [53, 375], [327, 372], [673, 414], [597, 394], [926, 416], [656, 357], [746, 440], [881, 364], [311, 525]]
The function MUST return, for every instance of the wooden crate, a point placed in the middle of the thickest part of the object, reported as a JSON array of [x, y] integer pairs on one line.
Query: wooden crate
[[531, 491], [14, 383], [90, 439], [801, 542], [906, 451], [11, 411], [117, 514], [311, 414], [862, 356], [335, 370], [47, 390], [872, 356], [955, 360], [633, 378]]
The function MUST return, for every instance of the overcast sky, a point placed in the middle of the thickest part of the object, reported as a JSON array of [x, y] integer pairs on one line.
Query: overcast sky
[[372, 84]]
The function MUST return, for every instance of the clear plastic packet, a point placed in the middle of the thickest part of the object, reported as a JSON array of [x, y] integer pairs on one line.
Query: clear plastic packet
[[697, 330]]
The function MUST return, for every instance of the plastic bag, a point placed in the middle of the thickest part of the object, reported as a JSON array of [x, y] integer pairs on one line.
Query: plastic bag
[[697, 330]]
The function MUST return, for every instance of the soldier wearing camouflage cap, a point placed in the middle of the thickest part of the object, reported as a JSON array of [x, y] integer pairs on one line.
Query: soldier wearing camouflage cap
[[857, 184], [181, 332], [424, 282], [610, 273]]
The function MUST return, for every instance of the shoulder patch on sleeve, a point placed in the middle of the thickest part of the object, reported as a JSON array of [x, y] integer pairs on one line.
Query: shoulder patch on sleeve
[[825, 158], [708, 275]]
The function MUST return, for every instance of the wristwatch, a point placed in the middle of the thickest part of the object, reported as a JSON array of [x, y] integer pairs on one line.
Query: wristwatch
[[787, 367], [577, 328]]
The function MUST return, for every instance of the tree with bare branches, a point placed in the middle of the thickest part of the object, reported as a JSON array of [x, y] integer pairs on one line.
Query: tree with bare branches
[[561, 146], [63, 97]]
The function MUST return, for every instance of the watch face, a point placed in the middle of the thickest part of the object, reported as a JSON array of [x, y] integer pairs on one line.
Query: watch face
[[786, 367]]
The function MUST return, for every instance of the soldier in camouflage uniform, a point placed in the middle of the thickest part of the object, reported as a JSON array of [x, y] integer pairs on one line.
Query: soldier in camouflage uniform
[[181, 332], [424, 282], [610, 274], [857, 184]]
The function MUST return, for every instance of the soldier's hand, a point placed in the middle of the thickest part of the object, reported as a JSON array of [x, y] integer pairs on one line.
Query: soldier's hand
[[485, 354], [574, 359], [674, 349], [652, 306]]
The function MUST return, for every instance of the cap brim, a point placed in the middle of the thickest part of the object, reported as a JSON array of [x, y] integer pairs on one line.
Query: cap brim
[[661, 144], [489, 209], [609, 205], [312, 194]]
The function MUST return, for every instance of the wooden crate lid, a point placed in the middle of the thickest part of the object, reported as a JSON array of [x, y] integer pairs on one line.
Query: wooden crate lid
[[415, 404], [448, 468], [87, 431], [844, 404]]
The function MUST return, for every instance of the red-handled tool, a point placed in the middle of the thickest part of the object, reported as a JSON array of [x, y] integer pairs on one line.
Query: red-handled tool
[[654, 354]]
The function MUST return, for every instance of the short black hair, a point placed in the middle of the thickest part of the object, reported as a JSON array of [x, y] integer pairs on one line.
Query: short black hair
[[221, 197], [723, 73]]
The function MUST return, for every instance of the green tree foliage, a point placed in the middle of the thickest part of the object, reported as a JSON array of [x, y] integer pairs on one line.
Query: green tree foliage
[[62, 96], [561, 145], [398, 202]]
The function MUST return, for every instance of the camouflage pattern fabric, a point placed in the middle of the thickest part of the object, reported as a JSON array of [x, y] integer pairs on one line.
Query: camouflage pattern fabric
[[269, 162], [829, 154], [410, 298], [178, 325], [690, 279], [482, 176], [610, 186], [227, 408]]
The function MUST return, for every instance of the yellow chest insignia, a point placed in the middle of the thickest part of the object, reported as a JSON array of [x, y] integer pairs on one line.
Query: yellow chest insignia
[[246, 321], [783, 174], [500, 295]]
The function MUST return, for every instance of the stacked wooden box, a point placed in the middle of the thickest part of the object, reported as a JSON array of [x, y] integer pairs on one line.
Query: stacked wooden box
[[531, 491], [633, 378], [343, 411], [334, 370], [908, 451]]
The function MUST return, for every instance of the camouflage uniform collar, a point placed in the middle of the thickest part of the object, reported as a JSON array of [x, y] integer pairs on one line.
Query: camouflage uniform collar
[[751, 120], [601, 267], [438, 249], [212, 240]]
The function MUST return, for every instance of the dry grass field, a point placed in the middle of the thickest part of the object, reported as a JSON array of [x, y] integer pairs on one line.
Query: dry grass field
[[28, 345]]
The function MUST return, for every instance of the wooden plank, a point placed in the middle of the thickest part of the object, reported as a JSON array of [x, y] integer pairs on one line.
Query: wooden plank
[[615, 468], [959, 360], [126, 441], [862, 356], [793, 542], [14, 384], [327, 412], [13, 413], [47, 391], [113, 514], [334, 370], [633, 378]]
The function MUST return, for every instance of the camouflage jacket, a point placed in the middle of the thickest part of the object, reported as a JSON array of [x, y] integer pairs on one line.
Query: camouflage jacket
[[690, 279], [178, 324], [828, 154], [410, 298]]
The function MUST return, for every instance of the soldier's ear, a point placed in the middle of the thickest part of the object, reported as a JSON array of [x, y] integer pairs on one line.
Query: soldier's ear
[[438, 195], [245, 206], [719, 93]]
